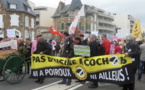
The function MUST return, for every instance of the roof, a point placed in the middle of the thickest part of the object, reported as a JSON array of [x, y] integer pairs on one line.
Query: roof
[[62, 9], [65, 9], [75, 4], [22, 6]]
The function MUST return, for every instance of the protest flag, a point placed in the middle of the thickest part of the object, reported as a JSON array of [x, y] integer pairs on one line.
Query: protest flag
[[73, 25], [54, 31], [136, 30]]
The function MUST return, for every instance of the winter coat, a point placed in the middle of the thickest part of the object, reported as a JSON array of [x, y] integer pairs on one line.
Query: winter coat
[[106, 44], [94, 49], [43, 47], [67, 49], [133, 51]]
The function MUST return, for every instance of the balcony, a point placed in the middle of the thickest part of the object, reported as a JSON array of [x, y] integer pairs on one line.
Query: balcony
[[105, 15], [107, 28], [105, 22]]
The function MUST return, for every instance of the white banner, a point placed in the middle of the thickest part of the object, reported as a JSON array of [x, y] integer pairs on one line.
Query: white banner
[[13, 44], [73, 25]]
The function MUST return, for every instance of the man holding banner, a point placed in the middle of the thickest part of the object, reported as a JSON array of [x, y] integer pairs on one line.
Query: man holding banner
[[68, 52], [42, 48], [132, 50], [94, 52]]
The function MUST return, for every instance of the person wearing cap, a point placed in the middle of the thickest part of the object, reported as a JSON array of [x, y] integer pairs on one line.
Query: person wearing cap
[[42, 48], [132, 50], [67, 51]]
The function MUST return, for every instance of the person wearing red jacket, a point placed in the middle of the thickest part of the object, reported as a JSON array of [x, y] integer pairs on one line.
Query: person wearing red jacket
[[106, 44], [118, 48]]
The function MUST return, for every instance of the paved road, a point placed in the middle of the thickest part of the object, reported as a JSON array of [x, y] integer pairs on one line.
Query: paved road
[[51, 84]]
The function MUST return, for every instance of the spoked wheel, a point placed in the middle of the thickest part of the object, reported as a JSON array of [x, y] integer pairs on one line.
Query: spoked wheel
[[2, 62], [14, 69], [10, 56]]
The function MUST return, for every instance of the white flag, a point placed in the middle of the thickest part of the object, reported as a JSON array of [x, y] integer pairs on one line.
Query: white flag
[[73, 25]]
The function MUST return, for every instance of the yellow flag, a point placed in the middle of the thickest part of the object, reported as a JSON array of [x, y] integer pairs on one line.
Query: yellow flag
[[136, 30]]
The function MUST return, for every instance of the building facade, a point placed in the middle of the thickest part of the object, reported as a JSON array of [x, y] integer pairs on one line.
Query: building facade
[[95, 19], [43, 18], [124, 23], [17, 15]]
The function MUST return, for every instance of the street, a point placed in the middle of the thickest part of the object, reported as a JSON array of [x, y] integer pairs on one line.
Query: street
[[51, 84]]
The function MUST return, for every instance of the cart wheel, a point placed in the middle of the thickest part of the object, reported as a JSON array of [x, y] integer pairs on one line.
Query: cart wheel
[[10, 56], [15, 69], [2, 62]]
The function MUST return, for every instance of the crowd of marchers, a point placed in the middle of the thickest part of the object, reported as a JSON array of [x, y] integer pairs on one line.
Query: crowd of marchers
[[98, 46]]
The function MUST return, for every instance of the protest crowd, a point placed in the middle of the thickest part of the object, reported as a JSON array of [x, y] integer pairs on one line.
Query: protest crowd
[[98, 47]]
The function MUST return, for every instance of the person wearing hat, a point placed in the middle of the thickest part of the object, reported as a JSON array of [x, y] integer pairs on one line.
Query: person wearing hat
[[42, 48]]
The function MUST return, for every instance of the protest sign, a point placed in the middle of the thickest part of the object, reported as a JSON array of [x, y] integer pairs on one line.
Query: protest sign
[[11, 33], [116, 69], [82, 50]]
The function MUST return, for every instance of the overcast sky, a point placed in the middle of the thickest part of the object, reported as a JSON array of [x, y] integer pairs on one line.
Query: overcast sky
[[131, 7]]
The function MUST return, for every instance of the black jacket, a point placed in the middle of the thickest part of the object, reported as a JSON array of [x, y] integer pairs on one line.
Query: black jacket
[[28, 52], [94, 48], [133, 51], [43, 46], [67, 49]]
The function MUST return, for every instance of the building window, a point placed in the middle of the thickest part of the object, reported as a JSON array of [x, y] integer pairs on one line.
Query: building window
[[62, 26], [80, 26], [14, 20], [1, 21], [32, 23], [26, 21], [13, 6], [26, 34]]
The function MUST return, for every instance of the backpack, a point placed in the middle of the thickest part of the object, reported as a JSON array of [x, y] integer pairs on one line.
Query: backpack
[[101, 49]]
